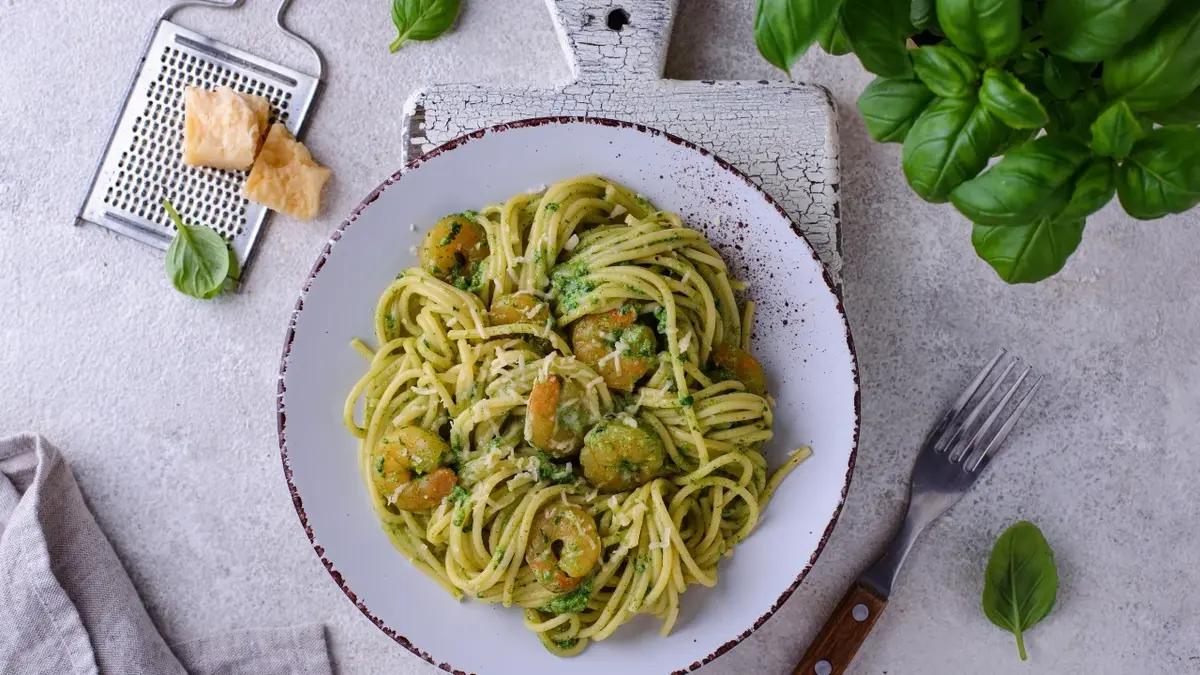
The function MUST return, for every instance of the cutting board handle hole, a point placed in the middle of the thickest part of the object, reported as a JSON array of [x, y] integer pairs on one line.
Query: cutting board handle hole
[[617, 19]]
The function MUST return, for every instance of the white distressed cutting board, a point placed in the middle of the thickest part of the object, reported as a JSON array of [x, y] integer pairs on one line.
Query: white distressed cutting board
[[782, 135]]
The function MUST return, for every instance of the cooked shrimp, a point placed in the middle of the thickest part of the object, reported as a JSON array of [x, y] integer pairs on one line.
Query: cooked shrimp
[[555, 417], [619, 349], [407, 469], [621, 453], [519, 307], [454, 250], [737, 364], [564, 546]]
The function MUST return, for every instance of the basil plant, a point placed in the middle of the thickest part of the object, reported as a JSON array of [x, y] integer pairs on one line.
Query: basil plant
[[1081, 100]]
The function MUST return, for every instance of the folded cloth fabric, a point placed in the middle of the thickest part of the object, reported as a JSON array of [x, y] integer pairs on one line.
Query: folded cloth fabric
[[67, 607]]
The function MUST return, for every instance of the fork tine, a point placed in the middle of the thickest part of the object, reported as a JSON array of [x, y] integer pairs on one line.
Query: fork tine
[[1006, 429], [955, 410], [981, 432], [974, 413]]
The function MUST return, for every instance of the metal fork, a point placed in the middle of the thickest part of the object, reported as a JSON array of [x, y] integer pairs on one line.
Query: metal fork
[[952, 457]]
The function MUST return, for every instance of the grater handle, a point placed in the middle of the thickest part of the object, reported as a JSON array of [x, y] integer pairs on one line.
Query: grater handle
[[215, 4], [283, 8]]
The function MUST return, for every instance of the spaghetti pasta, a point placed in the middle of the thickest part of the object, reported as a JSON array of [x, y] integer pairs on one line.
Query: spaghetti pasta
[[561, 411]]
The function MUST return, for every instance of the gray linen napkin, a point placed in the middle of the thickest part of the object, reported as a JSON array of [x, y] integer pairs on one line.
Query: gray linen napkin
[[67, 606]]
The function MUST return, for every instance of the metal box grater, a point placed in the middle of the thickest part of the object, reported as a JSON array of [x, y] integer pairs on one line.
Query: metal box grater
[[142, 163]]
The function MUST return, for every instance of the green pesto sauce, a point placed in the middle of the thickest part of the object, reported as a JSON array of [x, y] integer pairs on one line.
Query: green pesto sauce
[[455, 228], [571, 284], [552, 207], [576, 601]]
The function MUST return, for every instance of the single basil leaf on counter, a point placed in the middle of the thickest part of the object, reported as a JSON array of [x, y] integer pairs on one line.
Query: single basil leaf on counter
[[1162, 65], [1005, 97], [785, 29], [197, 260], [947, 72], [1015, 139], [949, 143], [878, 30], [1094, 30], [923, 14], [422, 19], [1186, 111], [833, 37], [1061, 77], [1029, 182], [986, 29], [1161, 175], [1094, 188], [1115, 131], [1021, 582], [890, 106]]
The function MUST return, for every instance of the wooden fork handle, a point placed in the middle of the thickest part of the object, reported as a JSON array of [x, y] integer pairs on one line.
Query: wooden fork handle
[[844, 632]]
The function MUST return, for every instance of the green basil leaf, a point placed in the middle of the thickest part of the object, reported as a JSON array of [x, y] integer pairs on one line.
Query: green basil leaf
[[833, 37], [785, 29], [422, 19], [890, 106], [1094, 188], [1162, 65], [198, 259], [1015, 138], [1186, 111], [1021, 582], [1029, 253], [947, 72], [1005, 97], [1115, 131], [1061, 77], [878, 29], [1093, 30], [949, 143], [1161, 175], [1031, 11], [986, 29], [923, 14], [1029, 182]]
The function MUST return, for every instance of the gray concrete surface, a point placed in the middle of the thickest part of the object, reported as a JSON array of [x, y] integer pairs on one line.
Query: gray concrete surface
[[164, 406]]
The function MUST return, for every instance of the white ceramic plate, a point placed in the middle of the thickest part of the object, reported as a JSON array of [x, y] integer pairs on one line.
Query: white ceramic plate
[[801, 338]]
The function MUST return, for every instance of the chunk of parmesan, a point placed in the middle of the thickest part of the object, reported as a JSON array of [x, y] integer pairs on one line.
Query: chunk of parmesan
[[630, 422], [285, 177], [223, 128], [571, 243], [618, 210]]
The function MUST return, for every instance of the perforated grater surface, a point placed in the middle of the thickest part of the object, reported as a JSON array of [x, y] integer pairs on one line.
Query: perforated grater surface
[[143, 162]]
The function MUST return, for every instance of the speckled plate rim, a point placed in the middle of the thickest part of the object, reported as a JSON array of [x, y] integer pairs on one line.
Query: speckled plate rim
[[290, 334]]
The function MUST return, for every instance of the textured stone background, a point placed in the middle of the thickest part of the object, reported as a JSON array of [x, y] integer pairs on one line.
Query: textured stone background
[[165, 406]]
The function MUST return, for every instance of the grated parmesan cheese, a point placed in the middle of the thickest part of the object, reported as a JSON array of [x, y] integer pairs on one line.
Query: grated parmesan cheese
[[593, 383], [412, 227], [685, 342], [412, 250], [630, 422], [478, 322], [424, 392], [686, 275], [717, 221]]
